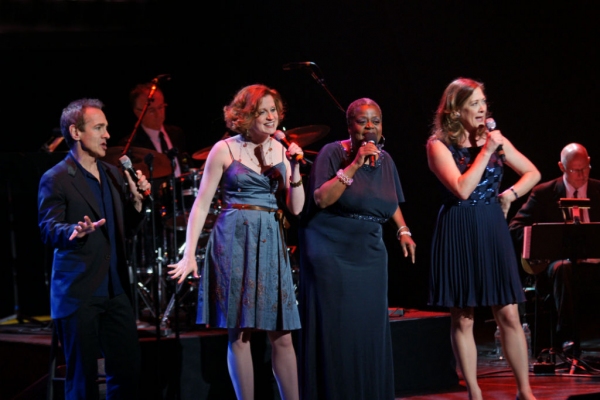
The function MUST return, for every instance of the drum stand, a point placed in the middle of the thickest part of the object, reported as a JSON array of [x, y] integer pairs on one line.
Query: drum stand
[[155, 298], [160, 243], [152, 298]]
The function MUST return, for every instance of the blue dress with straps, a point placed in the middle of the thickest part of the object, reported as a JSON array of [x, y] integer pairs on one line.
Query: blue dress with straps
[[246, 279]]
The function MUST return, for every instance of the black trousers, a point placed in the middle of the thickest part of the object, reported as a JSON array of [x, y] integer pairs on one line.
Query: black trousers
[[575, 291], [102, 327]]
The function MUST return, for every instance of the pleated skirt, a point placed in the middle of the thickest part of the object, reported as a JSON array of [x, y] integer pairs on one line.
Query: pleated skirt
[[473, 260]]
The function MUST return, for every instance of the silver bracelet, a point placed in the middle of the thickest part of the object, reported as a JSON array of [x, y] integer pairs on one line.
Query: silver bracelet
[[400, 232], [346, 180]]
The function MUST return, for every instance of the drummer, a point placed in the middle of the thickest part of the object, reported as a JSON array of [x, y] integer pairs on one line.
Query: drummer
[[153, 133]]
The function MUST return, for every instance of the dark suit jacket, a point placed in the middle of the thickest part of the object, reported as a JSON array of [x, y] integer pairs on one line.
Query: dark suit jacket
[[80, 265], [141, 139], [542, 206]]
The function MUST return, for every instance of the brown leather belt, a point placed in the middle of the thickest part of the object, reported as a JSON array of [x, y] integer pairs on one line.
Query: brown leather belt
[[279, 216], [251, 207]]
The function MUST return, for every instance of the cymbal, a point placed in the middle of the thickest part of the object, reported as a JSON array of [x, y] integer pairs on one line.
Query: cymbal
[[202, 154], [305, 135], [161, 165]]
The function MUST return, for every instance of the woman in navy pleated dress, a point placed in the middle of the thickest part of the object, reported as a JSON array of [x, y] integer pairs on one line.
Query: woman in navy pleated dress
[[473, 262]]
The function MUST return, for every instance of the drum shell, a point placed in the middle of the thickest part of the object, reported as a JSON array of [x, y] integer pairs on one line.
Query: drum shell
[[187, 187]]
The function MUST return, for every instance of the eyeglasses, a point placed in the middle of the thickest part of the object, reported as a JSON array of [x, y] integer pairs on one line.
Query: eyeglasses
[[153, 110], [580, 171]]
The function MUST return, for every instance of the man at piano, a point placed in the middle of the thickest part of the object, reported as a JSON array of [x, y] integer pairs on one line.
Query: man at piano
[[568, 289]]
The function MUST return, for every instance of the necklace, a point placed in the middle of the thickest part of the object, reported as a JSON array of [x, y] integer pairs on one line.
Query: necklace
[[260, 162], [349, 149]]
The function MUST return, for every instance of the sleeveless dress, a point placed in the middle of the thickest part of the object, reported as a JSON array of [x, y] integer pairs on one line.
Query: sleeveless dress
[[345, 347], [246, 280], [473, 261]]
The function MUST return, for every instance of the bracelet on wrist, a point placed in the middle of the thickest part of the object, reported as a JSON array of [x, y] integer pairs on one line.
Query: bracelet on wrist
[[401, 232], [346, 180], [296, 184], [512, 189]]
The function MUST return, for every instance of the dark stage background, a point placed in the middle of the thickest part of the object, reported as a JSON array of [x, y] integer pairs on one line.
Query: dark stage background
[[539, 63]]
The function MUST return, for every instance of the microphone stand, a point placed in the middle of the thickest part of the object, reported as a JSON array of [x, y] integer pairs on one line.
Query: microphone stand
[[149, 100], [321, 81], [149, 162]]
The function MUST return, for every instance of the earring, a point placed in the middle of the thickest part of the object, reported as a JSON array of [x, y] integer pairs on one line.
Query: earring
[[456, 114]]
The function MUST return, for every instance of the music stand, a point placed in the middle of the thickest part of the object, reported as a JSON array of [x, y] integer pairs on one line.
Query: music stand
[[574, 205], [572, 239], [561, 240]]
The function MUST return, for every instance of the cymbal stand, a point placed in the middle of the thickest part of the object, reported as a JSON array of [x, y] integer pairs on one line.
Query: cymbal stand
[[156, 266], [173, 255], [132, 264], [172, 154], [142, 243], [176, 298]]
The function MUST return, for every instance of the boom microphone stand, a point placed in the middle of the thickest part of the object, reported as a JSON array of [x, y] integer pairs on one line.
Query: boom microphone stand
[[156, 267], [313, 69], [149, 100]]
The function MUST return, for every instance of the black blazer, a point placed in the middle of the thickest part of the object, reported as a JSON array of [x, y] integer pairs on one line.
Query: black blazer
[[80, 265], [542, 206]]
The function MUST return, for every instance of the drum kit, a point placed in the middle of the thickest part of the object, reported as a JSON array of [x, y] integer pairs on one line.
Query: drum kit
[[161, 239]]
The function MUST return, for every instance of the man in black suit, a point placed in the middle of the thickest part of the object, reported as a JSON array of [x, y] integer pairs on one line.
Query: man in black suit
[[85, 211], [153, 133], [542, 206]]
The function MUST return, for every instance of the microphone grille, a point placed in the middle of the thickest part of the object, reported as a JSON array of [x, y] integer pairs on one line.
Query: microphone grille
[[371, 137], [278, 135], [490, 124], [125, 162]]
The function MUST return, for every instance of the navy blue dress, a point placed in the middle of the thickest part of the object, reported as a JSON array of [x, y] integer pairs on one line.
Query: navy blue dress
[[345, 343], [473, 262]]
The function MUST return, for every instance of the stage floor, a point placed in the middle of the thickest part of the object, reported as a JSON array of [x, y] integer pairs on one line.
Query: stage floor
[[192, 364]]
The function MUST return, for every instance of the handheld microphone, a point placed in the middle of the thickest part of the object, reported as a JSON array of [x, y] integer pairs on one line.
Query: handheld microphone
[[371, 137], [281, 138], [490, 124], [128, 166], [297, 65]]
